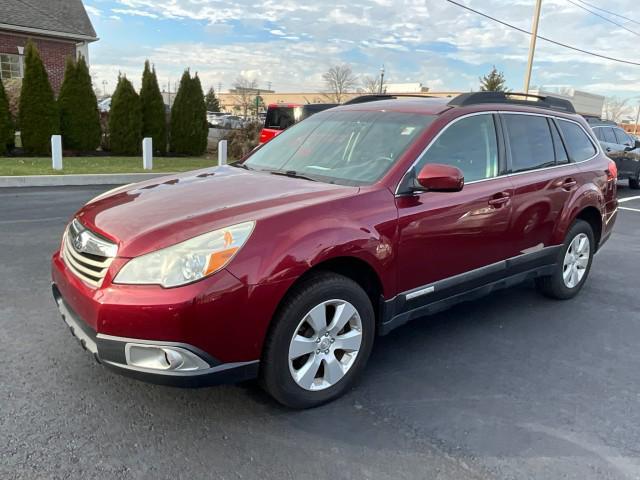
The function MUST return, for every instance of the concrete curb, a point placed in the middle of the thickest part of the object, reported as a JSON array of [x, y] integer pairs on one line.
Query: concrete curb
[[66, 180]]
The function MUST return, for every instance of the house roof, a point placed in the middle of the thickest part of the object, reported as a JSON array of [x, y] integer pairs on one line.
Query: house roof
[[66, 18]]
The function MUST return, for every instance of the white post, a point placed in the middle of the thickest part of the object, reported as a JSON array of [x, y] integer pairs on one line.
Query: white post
[[222, 152], [56, 152], [147, 153]]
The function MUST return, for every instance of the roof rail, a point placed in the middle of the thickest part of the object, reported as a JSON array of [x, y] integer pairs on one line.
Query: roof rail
[[374, 97], [540, 101]]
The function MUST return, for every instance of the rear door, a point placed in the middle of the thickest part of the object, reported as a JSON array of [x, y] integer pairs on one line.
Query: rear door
[[543, 179]]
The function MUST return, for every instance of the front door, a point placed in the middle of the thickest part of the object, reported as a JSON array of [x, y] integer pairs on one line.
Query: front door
[[444, 234]]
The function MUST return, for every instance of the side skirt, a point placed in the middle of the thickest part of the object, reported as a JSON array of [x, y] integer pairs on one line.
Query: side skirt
[[443, 294]]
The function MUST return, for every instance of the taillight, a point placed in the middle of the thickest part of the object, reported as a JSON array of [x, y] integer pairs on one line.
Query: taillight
[[612, 171]]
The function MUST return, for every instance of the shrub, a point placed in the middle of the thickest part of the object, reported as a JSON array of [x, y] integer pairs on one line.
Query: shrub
[[79, 116], [241, 141], [154, 121], [125, 119], [38, 110], [189, 128], [6, 124]]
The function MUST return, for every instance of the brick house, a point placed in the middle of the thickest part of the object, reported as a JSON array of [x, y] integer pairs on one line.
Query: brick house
[[59, 28]]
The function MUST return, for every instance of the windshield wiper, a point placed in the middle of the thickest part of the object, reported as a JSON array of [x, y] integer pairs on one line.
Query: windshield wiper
[[239, 165], [292, 174]]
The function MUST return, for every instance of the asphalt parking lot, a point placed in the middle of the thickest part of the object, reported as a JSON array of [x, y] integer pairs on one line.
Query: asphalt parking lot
[[511, 386]]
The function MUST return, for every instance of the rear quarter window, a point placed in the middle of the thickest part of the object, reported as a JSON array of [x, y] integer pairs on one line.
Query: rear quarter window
[[578, 143]]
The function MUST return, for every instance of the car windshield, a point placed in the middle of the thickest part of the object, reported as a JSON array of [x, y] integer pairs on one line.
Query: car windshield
[[343, 147]]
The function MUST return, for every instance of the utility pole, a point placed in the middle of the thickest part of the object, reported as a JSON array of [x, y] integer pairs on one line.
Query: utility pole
[[104, 88], [532, 45], [635, 128], [268, 85], [381, 79]]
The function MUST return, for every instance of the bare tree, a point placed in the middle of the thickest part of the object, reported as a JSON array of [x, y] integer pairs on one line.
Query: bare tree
[[615, 108], [372, 85], [245, 91], [339, 79]]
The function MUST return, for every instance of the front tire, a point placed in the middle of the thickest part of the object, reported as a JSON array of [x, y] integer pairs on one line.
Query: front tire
[[319, 342], [573, 264]]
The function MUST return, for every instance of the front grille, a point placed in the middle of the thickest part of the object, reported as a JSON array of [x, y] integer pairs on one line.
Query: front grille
[[91, 268]]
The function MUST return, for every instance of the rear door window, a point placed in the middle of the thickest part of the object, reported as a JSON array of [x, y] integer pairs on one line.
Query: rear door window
[[609, 136], [530, 142], [578, 143], [598, 133], [469, 144]]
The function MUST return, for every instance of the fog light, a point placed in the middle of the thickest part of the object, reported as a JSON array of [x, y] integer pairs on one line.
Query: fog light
[[160, 357]]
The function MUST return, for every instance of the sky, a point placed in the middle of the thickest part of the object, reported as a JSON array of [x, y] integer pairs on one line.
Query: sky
[[288, 44]]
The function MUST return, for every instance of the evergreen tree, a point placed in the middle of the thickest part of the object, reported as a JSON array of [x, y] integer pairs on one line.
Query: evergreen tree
[[125, 119], [211, 101], [154, 122], [189, 128], [493, 82], [79, 117], [6, 124], [38, 110]]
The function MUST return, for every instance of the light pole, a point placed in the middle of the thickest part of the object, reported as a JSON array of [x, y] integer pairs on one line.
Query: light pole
[[381, 80], [532, 45], [104, 87]]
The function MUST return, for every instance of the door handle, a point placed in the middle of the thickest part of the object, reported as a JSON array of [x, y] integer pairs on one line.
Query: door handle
[[608, 149], [499, 199], [568, 184]]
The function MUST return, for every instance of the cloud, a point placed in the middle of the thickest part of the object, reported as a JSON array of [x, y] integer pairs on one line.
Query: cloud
[[430, 41], [93, 10]]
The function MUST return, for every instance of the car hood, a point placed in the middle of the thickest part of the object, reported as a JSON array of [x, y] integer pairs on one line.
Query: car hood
[[154, 214]]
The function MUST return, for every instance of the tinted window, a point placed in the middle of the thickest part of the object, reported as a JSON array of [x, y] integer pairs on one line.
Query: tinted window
[[279, 118], [609, 137], [577, 141], [530, 141], [622, 137], [561, 153], [469, 144], [344, 147], [599, 135]]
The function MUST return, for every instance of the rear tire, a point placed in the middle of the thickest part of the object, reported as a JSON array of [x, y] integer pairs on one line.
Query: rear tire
[[572, 265], [319, 342]]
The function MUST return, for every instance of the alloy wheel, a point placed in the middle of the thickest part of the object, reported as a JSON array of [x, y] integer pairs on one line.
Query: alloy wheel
[[576, 260], [325, 345]]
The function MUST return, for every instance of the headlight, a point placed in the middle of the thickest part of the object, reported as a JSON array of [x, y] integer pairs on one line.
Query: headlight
[[188, 261]]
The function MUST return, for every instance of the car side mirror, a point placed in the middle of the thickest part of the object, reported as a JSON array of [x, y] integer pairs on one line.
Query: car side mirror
[[435, 177], [636, 145]]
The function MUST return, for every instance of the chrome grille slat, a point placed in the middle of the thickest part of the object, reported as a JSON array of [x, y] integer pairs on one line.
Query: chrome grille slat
[[87, 267], [84, 258]]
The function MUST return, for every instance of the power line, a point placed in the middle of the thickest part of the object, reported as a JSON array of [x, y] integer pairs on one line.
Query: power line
[[603, 17], [609, 12], [586, 52]]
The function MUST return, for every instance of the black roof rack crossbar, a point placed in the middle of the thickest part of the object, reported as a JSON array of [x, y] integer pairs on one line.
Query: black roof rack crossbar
[[374, 97], [596, 119], [540, 101]]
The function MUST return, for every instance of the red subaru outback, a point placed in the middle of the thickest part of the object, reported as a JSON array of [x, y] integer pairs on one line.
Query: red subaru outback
[[286, 265]]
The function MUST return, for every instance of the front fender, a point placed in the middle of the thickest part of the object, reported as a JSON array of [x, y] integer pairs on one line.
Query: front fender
[[284, 247]]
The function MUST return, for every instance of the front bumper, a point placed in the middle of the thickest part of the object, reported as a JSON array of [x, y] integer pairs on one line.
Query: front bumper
[[111, 351]]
